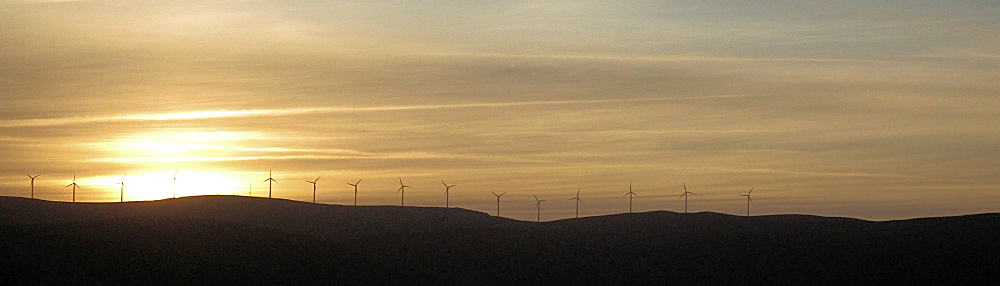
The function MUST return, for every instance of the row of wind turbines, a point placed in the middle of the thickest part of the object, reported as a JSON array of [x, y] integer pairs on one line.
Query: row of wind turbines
[[402, 193]]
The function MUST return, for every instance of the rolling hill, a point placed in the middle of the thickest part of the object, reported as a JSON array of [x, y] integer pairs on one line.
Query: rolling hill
[[228, 240]]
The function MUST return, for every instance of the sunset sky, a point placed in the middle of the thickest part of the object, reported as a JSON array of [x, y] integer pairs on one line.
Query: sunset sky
[[867, 109]]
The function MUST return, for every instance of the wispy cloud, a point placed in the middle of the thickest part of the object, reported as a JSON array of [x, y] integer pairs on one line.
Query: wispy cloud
[[353, 155], [647, 58], [214, 114]]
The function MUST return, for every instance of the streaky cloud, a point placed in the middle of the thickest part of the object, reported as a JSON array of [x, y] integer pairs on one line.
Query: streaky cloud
[[357, 155], [648, 58], [246, 113]]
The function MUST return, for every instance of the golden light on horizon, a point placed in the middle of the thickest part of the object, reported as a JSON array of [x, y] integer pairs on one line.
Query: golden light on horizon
[[157, 186]]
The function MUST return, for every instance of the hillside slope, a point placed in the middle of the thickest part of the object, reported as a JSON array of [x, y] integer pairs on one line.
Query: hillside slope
[[221, 240]]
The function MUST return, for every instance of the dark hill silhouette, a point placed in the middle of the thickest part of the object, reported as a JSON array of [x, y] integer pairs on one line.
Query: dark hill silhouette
[[224, 240]]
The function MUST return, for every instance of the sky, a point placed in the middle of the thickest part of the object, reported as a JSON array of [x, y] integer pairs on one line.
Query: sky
[[868, 109]]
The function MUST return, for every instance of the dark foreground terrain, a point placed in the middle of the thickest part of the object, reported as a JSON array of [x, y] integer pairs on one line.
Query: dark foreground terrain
[[226, 240]]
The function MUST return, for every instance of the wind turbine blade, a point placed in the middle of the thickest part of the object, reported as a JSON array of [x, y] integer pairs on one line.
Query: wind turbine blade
[[359, 181], [751, 191], [495, 194], [445, 185], [536, 197], [400, 181]]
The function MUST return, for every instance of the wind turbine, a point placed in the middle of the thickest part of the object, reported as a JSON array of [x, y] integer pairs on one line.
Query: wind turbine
[[175, 183], [314, 188], [538, 207], [578, 201], [32, 184], [446, 188], [74, 185], [123, 187], [402, 192], [355, 191], [250, 187], [685, 196], [749, 200], [629, 195], [269, 181], [498, 201]]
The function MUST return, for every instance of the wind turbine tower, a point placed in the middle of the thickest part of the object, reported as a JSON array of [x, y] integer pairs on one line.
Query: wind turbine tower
[[314, 188], [578, 201], [175, 183], [538, 207], [630, 194], [402, 192], [123, 188], [74, 185], [32, 183], [685, 196], [269, 181], [446, 188], [355, 191], [749, 200], [498, 201]]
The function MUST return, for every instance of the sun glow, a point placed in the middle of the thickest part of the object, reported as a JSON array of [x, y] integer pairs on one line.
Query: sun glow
[[155, 186], [155, 179]]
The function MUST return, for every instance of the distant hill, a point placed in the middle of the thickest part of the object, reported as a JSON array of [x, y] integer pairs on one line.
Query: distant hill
[[229, 240]]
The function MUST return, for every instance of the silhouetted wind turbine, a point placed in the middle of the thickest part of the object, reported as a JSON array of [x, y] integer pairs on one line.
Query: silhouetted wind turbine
[[74, 185], [269, 181], [32, 184], [748, 200], [314, 188], [498, 201], [175, 183], [123, 187], [685, 196], [446, 188], [402, 192], [355, 191], [538, 207], [630, 194], [578, 201]]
